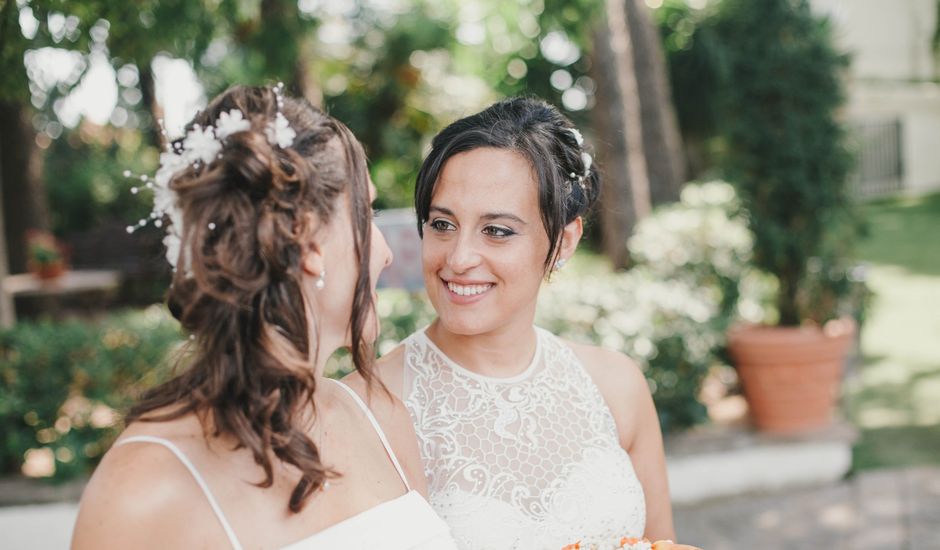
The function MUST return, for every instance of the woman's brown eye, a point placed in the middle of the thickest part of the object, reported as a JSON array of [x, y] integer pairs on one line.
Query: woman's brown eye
[[441, 225], [496, 231]]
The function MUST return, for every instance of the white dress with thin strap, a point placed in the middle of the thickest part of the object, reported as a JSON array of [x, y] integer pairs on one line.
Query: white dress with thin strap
[[528, 462], [403, 523]]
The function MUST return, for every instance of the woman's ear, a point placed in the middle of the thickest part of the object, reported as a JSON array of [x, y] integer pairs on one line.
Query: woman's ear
[[570, 237], [312, 261]]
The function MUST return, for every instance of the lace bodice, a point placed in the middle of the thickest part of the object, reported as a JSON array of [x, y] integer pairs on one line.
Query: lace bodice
[[527, 462]]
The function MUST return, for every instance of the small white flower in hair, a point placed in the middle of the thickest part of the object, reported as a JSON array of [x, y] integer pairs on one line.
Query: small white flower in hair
[[587, 160], [280, 133], [201, 144], [170, 163], [230, 123], [577, 136], [172, 243], [164, 200]]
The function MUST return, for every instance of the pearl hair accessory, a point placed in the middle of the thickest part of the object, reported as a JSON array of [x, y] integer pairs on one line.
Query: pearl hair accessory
[[199, 148], [586, 159]]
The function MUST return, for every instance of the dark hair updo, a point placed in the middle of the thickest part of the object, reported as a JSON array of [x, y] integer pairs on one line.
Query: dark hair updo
[[246, 217], [567, 186]]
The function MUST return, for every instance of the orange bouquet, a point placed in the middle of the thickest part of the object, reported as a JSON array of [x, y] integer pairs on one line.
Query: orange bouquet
[[631, 543]]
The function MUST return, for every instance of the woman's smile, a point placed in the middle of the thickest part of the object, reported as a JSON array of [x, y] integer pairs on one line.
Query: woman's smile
[[466, 292]]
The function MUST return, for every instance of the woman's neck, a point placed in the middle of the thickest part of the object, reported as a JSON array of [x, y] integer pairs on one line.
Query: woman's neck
[[500, 353]]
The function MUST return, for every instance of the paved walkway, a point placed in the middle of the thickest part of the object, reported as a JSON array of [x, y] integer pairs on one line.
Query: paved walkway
[[877, 510]]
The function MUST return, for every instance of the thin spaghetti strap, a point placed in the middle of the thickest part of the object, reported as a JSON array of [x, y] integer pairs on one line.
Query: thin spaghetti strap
[[195, 473], [378, 430]]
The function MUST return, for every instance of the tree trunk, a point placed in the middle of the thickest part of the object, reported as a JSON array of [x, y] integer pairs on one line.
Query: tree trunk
[[662, 141], [24, 196], [618, 120], [7, 313], [305, 82], [148, 92]]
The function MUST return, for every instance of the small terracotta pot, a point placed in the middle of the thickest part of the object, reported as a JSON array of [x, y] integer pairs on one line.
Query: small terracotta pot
[[791, 375], [49, 271]]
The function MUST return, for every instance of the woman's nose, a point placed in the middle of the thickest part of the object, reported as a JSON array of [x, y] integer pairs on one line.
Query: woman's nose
[[464, 256], [384, 249]]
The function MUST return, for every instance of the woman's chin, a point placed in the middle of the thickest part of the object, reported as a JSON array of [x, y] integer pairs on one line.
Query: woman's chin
[[463, 325]]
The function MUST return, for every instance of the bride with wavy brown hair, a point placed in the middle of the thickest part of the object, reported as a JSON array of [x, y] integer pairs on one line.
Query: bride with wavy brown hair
[[267, 207]]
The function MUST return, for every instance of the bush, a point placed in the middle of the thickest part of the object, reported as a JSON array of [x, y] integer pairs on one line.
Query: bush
[[63, 383], [703, 241], [786, 150]]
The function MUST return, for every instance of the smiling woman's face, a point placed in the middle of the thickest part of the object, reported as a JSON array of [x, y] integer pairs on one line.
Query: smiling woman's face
[[484, 243]]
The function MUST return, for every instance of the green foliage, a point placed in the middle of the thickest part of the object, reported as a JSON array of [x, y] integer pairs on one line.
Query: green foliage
[[695, 60], [384, 99], [395, 74], [84, 182], [42, 248], [785, 149], [61, 384]]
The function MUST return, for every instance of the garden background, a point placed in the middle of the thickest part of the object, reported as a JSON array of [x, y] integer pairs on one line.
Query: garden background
[[663, 91]]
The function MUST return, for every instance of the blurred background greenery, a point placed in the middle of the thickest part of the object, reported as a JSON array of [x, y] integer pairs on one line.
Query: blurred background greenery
[[666, 267]]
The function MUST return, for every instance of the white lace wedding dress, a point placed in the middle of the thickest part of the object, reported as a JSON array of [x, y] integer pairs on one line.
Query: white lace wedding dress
[[529, 462]]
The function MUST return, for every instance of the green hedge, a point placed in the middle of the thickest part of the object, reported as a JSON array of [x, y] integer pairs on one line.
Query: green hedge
[[64, 384]]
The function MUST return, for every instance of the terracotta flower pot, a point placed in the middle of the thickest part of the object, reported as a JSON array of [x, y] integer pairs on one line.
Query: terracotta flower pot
[[49, 271], [791, 375]]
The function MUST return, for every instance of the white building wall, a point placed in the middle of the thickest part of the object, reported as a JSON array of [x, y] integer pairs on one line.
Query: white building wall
[[894, 75]]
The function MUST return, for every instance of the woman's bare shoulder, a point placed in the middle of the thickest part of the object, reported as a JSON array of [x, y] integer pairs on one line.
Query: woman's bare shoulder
[[384, 403], [137, 498], [609, 367], [396, 422]]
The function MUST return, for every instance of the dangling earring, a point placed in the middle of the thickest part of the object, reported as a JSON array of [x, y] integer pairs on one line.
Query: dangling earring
[[560, 263], [321, 282]]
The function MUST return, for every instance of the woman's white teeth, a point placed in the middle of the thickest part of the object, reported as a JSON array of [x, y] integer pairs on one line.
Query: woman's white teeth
[[468, 290]]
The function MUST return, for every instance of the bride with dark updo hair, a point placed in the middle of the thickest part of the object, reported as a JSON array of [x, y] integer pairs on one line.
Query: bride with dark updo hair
[[266, 202]]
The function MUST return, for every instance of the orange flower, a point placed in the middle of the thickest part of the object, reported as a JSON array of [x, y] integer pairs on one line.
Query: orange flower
[[669, 545], [628, 542]]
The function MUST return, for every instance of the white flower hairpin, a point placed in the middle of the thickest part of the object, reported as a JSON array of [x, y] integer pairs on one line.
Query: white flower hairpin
[[200, 147], [279, 132], [230, 123]]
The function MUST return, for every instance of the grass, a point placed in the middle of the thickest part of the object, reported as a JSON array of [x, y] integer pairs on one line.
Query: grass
[[894, 398]]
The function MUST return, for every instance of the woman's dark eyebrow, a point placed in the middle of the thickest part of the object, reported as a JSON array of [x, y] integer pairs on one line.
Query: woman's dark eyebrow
[[503, 215], [489, 216]]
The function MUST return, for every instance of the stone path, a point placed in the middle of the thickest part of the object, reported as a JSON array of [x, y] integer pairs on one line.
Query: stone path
[[876, 510]]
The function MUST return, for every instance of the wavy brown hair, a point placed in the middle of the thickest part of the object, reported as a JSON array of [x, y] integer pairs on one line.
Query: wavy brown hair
[[246, 219]]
